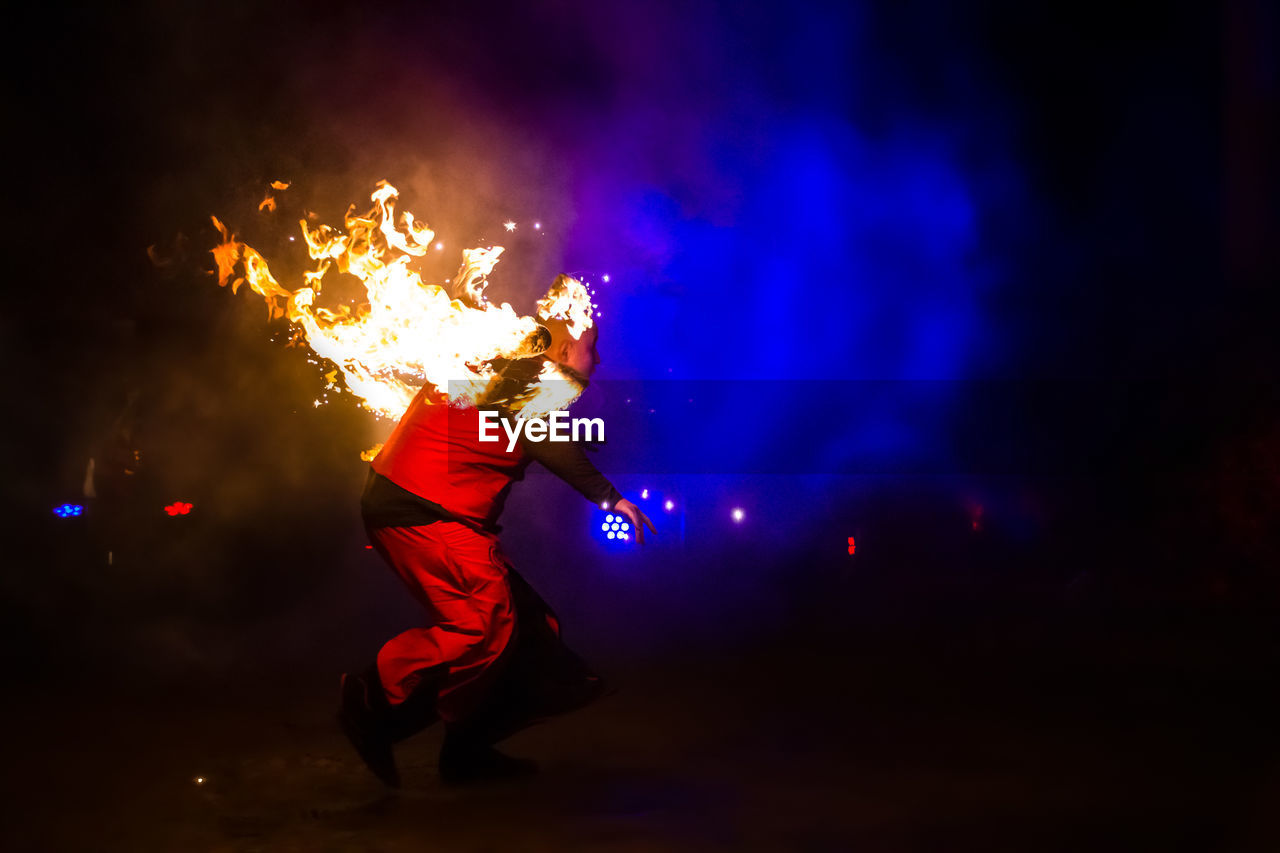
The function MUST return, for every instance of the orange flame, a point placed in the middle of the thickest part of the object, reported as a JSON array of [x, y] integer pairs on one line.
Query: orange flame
[[408, 333], [269, 201]]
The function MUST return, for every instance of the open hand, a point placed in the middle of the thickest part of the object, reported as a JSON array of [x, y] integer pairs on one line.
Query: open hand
[[638, 519]]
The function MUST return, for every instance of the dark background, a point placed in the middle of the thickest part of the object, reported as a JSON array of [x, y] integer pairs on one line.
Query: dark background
[[799, 197]]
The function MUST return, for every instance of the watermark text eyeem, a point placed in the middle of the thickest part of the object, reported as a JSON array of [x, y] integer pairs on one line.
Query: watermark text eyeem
[[555, 427]]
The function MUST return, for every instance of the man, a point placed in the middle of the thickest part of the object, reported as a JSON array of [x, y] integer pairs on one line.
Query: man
[[491, 661]]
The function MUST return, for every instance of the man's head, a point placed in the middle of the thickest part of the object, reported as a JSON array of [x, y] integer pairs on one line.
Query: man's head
[[576, 353]]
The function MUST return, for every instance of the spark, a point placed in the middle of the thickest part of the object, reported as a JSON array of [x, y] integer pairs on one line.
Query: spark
[[509, 225]]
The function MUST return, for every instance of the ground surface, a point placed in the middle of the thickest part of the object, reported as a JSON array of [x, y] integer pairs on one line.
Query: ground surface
[[1110, 740]]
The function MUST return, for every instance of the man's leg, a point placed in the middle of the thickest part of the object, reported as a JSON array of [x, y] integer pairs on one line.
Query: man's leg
[[441, 669], [540, 676], [365, 718], [451, 570]]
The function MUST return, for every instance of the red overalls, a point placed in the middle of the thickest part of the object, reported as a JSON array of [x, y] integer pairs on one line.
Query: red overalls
[[455, 569]]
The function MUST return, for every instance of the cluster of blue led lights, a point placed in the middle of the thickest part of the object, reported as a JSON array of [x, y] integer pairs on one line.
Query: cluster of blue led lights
[[616, 527]]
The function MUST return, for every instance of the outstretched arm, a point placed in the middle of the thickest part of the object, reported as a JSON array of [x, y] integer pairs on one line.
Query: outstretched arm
[[568, 462]]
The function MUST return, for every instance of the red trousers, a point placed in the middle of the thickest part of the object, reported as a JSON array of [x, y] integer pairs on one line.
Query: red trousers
[[492, 651], [461, 577]]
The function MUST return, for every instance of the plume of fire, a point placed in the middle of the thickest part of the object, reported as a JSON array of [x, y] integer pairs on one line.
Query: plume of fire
[[408, 333]]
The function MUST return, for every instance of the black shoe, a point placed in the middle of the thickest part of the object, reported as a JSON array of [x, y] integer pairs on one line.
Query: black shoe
[[466, 763], [416, 712], [365, 725]]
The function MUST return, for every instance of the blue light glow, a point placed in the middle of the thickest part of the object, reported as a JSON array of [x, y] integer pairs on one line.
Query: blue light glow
[[616, 530]]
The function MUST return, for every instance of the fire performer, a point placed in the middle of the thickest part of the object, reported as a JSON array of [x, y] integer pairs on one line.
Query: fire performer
[[490, 661]]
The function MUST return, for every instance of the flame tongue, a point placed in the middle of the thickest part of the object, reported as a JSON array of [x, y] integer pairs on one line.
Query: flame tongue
[[409, 333], [569, 300]]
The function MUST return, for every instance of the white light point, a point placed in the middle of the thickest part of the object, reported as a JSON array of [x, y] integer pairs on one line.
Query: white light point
[[738, 514], [509, 225], [668, 506]]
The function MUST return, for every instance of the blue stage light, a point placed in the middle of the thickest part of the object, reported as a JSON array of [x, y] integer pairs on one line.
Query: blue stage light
[[616, 529], [68, 510]]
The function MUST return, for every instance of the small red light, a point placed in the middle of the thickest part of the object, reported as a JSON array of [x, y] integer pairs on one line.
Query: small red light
[[178, 508], [368, 547], [850, 544]]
